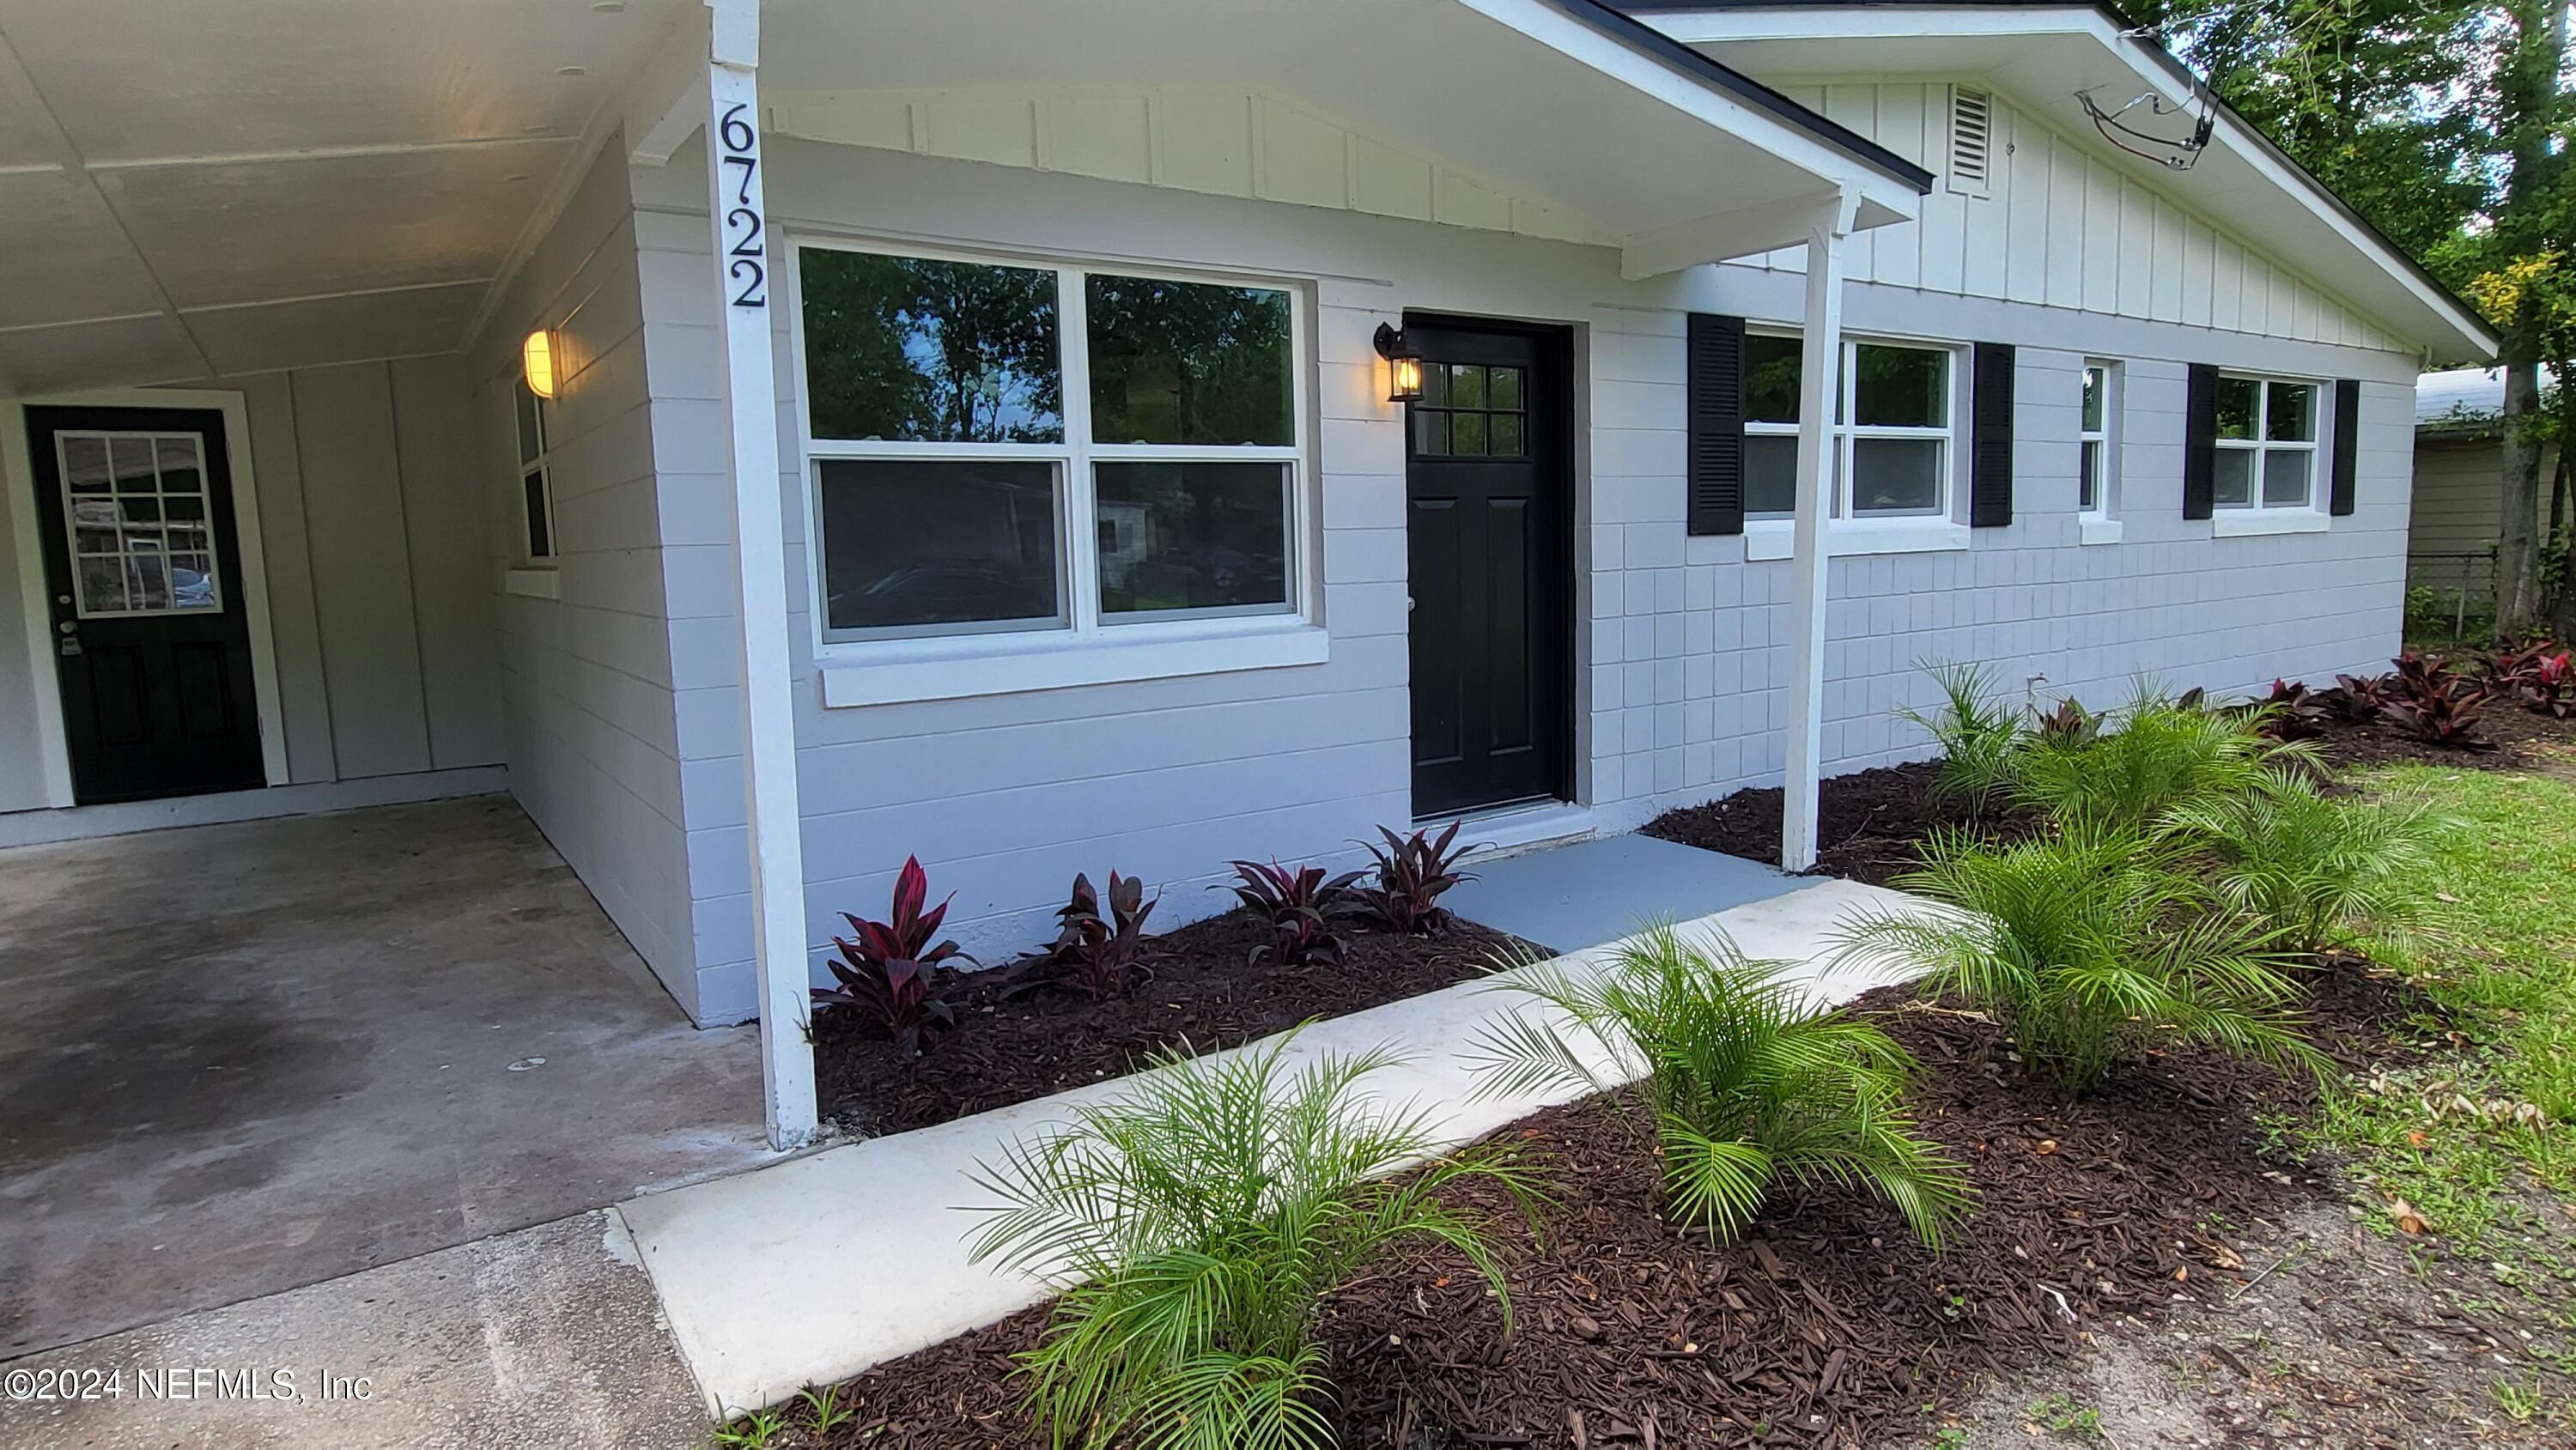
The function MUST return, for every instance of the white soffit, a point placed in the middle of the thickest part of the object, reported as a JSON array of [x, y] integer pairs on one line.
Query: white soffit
[[284, 183], [1517, 92], [2042, 56]]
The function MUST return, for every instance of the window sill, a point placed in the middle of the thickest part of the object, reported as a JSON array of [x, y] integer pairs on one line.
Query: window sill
[[900, 671], [535, 583], [2239, 523], [2094, 529], [1773, 538]]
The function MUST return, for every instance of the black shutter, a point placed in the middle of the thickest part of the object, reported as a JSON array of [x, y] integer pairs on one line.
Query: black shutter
[[2200, 442], [1716, 409], [2347, 433], [1990, 437]]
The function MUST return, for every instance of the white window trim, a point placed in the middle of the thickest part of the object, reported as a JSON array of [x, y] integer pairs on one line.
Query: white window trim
[[2100, 524], [543, 465], [2254, 516], [1768, 536], [1080, 647]]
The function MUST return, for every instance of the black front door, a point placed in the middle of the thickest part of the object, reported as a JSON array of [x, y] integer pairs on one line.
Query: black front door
[[143, 576], [1489, 478]]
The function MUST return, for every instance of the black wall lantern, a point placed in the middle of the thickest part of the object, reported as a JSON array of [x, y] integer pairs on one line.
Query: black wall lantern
[[1403, 365]]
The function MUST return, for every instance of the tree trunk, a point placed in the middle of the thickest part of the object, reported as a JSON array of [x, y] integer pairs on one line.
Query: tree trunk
[[2530, 112]]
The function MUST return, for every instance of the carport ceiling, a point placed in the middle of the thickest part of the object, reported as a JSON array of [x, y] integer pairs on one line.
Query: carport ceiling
[[191, 190]]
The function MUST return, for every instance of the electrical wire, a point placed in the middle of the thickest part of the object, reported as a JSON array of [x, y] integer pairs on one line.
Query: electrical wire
[[2179, 155]]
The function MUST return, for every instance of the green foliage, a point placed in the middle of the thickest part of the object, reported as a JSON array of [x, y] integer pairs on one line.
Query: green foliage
[[2320, 871], [755, 1431], [2153, 755], [1978, 734], [1194, 1227], [1742, 1084], [2089, 945]]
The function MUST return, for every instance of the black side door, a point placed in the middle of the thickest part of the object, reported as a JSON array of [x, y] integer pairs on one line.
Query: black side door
[[1489, 482], [143, 578]]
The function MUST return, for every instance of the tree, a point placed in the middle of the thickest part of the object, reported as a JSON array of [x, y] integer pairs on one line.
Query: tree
[[2445, 125]]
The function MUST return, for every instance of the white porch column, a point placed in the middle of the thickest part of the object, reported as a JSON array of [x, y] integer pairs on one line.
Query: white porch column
[[1820, 383], [738, 216]]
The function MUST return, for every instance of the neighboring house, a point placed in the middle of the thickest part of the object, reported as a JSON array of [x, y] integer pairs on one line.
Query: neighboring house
[[1019, 413], [2459, 486]]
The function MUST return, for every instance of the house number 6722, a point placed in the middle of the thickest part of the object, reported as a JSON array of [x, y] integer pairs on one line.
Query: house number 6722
[[745, 264]]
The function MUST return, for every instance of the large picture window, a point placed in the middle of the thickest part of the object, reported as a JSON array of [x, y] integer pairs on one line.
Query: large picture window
[[1002, 447], [2267, 444], [1893, 424]]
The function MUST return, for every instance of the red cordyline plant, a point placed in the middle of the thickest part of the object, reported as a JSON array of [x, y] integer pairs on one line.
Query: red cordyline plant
[[1299, 905], [2432, 702], [2357, 698], [1412, 874], [2290, 712], [2541, 676], [886, 967], [1100, 956]]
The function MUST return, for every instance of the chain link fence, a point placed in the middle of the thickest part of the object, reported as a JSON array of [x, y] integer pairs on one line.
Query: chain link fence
[[2448, 590]]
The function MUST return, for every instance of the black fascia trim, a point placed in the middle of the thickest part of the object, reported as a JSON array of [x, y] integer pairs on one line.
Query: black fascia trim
[[2171, 64], [1644, 38]]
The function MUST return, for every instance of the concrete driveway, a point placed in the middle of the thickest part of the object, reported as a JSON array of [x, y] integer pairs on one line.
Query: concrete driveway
[[240, 1059]]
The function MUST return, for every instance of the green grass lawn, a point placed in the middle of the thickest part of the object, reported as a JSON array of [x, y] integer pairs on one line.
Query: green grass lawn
[[2491, 1111]]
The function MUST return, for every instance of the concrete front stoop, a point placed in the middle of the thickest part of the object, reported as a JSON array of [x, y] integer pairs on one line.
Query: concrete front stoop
[[812, 1270]]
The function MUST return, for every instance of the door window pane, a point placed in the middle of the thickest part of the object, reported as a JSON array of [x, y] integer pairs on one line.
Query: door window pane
[[1187, 362], [2239, 399], [1192, 536], [908, 543], [2285, 476], [126, 560], [904, 348], [1770, 474], [2291, 416], [1896, 475], [1471, 410], [1903, 387], [1771, 368], [2233, 485]]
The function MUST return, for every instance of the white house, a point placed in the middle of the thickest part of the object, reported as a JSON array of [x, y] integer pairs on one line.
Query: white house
[[480, 394]]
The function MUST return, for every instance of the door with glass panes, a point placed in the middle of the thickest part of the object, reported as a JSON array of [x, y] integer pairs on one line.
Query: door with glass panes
[[151, 639], [1489, 523]]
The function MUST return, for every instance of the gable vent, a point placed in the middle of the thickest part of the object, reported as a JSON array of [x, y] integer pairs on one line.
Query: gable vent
[[1972, 137]]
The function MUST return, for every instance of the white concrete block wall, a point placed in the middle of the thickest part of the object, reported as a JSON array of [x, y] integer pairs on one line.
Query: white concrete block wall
[[586, 678], [1680, 663]]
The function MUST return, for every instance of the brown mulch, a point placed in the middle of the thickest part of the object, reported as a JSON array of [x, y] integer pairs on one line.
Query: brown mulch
[[1009, 1049], [1867, 822], [2512, 738], [1827, 1325]]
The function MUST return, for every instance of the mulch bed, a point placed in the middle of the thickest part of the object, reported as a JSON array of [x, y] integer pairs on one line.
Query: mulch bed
[[1867, 822], [1827, 1325], [2517, 736], [1203, 995]]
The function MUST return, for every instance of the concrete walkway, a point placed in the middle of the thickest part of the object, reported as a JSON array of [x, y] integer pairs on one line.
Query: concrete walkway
[[542, 1339], [1567, 898], [242, 1058], [814, 1269]]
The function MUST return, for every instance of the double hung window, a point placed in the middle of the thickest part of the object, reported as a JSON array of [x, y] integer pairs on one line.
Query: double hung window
[[998, 447]]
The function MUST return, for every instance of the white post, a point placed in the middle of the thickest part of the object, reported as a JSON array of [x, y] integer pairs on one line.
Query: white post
[[738, 218], [1820, 383]]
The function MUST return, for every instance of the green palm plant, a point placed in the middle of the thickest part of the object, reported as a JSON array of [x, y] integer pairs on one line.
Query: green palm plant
[[1978, 733], [1194, 1227], [2154, 755], [2088, 944], [1732, 1080], [2320, 870]]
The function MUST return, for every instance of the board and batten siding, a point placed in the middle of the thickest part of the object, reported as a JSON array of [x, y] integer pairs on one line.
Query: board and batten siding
[[364, 479], [585, 677], [2064, 226], [1681, 649]]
